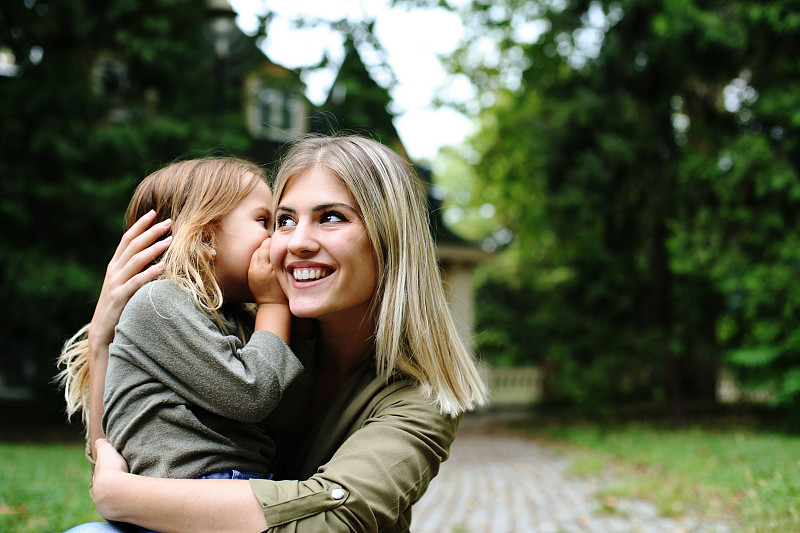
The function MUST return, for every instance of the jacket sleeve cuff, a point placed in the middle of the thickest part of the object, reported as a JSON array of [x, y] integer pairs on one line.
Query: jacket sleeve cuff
[[290, 501]]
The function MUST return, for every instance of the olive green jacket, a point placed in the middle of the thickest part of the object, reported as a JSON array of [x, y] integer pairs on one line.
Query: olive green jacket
[[366, 459]]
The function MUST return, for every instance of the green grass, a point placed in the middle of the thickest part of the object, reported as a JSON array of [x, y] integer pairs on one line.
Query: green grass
[[750, 476], [44, 487]]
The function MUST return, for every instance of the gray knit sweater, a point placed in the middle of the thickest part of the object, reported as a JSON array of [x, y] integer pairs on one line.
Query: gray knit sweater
[[184, 399]]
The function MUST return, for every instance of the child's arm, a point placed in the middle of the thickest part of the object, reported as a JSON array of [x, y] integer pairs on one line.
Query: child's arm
[[273, 309], [167, 336], [274, 318]]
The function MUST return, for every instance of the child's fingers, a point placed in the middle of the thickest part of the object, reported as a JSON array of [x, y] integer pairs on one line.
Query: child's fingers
[[262, 277], [260, 256], [260, 271], [265, 244]]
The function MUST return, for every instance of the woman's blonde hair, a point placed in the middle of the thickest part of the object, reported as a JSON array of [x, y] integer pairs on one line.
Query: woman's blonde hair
[[415, 332], [197, 194]]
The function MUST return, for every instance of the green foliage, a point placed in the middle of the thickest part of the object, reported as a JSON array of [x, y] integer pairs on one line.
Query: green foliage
[[104, 94], [647, 153]]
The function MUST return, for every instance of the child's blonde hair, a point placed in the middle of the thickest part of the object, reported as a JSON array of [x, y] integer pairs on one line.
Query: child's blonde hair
[[415, 332], [196, 194]]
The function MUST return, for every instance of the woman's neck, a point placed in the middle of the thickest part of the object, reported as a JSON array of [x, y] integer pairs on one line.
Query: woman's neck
[[341, 350]]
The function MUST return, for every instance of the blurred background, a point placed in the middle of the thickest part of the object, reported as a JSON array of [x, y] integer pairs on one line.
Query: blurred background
[[613, 185]]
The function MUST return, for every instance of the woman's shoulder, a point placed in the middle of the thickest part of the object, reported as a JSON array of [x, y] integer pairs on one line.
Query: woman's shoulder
[[371, 415], [406, 395], [400, 396]]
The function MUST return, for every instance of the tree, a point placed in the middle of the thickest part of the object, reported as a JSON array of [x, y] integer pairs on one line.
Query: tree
[[103, 93], [96, 95], [356, 101], [640, 154]]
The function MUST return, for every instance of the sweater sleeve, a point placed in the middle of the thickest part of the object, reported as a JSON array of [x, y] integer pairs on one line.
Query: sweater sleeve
[[374, 476], [163, 332]]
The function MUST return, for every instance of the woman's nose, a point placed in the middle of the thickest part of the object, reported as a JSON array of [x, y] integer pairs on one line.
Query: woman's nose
[[303, 239]]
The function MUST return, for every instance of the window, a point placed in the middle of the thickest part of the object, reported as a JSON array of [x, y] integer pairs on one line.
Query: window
[[275, 114]]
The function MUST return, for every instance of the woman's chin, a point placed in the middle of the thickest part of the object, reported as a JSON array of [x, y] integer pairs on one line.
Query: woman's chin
[[303, 311]]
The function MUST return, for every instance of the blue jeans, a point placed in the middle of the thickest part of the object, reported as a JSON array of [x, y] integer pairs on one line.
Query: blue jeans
[[97, 527], [236, 474], [103, 527]]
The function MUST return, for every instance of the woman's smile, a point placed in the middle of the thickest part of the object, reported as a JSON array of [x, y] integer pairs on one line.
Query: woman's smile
[[309, 273]]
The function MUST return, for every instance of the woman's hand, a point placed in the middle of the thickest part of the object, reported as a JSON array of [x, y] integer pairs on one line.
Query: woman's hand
[[108, 467], [126, 273], [109, 460]]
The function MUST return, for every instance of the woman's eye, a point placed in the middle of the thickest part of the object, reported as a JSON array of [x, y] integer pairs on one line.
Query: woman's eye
[[333, 216], [284, 220], [266, 222]]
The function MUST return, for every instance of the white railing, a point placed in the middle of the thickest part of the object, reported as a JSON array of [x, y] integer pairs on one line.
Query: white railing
[[520, 386], [512, 386], [729, 391]]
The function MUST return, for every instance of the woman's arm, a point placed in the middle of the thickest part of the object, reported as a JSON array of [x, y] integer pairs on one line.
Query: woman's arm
[[368, 485], [172, 505], [126, 273]]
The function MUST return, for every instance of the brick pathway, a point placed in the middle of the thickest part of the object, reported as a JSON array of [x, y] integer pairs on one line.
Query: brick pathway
[[496, 483]]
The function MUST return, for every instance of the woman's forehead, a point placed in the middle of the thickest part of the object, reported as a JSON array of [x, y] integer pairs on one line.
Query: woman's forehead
[[317, 183]]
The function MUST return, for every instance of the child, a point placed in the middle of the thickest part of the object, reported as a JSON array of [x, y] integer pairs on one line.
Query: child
[[191, 377]]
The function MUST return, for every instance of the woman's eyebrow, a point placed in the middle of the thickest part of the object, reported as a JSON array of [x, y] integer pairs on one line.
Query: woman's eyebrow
[[317, 208], [323, 207]]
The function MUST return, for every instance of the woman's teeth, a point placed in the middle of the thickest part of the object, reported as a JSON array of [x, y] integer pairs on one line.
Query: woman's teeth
[[305, 274]]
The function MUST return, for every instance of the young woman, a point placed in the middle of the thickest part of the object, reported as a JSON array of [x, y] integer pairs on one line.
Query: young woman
[[191, 376], [353, 252]]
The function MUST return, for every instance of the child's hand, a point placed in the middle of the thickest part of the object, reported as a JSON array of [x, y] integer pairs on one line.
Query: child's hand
[[262, 278]]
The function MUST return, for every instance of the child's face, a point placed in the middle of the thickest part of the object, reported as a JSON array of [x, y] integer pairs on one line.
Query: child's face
[[240, 234]]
